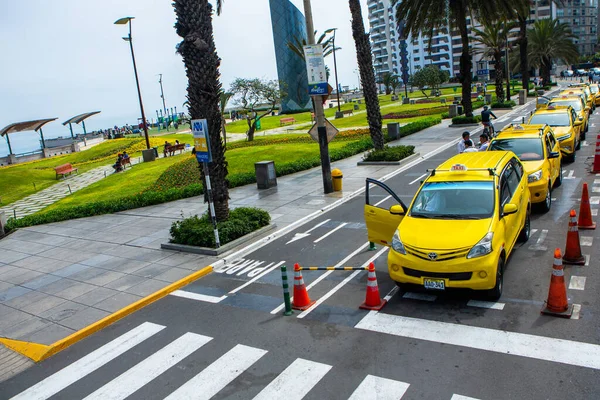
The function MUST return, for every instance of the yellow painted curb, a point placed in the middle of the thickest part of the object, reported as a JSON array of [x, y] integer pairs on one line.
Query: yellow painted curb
[[38, 352]]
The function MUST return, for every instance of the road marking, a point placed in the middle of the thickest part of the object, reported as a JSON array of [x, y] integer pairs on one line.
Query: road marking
[[219, 374], [197, 296], [331, 232], [341, 284], [586, 240], [587, 260], [295, 381], [519, 344], [595, 189], [533, 231], [570, 176], [251, 281], [391, 293], [325, 275], [486, 304], [576, 311], [461, 397], [595, 212], [577, 282], [298, 236], [596, 181], [420, 296], [88, 364], [553, 199], [145, 371], [584, 143], [422, 176], [594, 200], [375, 387], [538, 244], [384, 200]]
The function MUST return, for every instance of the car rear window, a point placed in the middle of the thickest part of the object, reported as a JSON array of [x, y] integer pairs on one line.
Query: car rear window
[[554, 119], [527, 149]]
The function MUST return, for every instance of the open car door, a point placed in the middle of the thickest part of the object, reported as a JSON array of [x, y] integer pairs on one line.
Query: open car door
[[382, 223], [541, 102]]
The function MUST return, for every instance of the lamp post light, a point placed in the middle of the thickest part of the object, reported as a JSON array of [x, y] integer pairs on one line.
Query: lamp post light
[[337, 85], [128, 38]]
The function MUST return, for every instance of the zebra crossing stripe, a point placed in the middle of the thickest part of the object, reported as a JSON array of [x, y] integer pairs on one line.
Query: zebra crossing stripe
[[295, 381], [219, 374], [141, 374], [460, 397], [374, 387], [88, 364]]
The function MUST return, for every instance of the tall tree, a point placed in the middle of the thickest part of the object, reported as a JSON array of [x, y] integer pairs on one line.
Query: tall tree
[[367, 75], [428, 15], [194, 25], [523, 13]]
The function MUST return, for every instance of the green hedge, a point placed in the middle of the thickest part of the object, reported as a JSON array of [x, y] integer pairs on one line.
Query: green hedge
[[198, 231], [460, 120], [388, 153], [506, 104], [445, 115]]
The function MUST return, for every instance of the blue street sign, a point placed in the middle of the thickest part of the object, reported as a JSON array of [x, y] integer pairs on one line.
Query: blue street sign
[[319, 89], [201, 140], [483, 72]]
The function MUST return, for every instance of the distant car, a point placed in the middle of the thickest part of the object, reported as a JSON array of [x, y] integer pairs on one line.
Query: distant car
[[581, 72], [517, 76], [566, 73]]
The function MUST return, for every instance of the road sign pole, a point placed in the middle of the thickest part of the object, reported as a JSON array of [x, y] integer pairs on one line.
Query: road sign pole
[[211, 206]]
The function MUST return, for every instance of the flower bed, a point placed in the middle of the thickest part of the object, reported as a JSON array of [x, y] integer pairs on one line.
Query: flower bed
[[416, 113]]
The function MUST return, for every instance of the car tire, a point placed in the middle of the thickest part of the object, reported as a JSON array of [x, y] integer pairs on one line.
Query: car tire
[[578, 146], [558, 180], [495, 293], [547, 203], [526, 230]]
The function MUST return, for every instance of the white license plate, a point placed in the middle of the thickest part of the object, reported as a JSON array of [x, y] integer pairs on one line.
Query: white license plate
[[435, 284]]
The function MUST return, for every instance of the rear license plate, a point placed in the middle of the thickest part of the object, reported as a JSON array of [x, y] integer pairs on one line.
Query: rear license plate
[[435, 284]]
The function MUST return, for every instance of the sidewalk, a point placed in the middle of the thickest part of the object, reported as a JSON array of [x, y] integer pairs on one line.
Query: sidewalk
[[58, 278]]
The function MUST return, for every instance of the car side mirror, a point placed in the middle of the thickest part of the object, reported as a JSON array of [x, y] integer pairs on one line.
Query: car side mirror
[[581, 118], [554, 154], [588, 108], [509, 209], [397, 210]]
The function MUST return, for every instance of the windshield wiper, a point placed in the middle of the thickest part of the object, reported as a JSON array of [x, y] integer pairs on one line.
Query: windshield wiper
[[459, 216], [418, 215]]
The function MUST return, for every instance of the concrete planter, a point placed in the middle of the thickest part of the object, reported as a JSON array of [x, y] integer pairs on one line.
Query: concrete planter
[[385, 163]]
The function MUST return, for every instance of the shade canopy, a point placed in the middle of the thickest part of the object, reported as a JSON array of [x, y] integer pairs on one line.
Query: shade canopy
[[78, 118], [34, 125]]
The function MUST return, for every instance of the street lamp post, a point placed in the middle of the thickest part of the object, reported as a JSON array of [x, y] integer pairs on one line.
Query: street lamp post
[[357, 78], [124, 21], [337, 85]]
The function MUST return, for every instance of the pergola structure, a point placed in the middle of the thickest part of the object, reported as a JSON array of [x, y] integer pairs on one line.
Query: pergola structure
[[79, 119], [35, 125]]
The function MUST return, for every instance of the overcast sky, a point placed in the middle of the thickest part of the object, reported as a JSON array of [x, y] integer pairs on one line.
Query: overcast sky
[[65, 57]]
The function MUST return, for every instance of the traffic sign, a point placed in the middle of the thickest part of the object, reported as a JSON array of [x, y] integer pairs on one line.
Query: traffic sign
[[201, 140], [331, 131]]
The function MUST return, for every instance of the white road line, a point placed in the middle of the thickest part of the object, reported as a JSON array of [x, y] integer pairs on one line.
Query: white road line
[[384, 200], [325, 275], [295, 381], [596, 181], [577, 282], [539, 243], [586, 240], [533, 231], [570, 176], [461, 397], [302, 235], [419, 178], [331, 232], [375, 387], [219, 374], [576, 311], [595, 189], [504, 342], [197, 296], [587, 259], [585, 143], [486, 304], [420, 296], [595, 212], [88, 364], [391, 293], [251, 281], [145, 371], [595, 200], [341, 284]]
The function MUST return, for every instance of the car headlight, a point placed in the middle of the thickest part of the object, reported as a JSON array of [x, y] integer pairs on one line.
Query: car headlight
[[397, 244], [483, 247], [564, 137], [536, 176], [569, 148]]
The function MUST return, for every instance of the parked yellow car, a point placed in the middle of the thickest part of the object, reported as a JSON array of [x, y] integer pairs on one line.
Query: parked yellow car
[[580, 108], [461, 226], [595, 89], [566, 126], [585, 94], [539, 151], [585, 88]]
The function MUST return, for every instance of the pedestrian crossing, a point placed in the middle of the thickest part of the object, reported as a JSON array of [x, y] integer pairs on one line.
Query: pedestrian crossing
[[295, 382]]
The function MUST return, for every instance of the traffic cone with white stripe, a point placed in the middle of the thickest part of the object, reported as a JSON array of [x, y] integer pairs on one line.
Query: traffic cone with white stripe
[[573, 251], [557, 303], [373, 300], [585, 211], [301, 300], [596, 166]]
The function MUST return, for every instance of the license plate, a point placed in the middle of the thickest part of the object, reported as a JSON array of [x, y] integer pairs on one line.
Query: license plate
[[435, 284]]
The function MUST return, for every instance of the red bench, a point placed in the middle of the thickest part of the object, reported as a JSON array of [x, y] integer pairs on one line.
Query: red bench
[[65, 169], [287, 121], [173, 148], [125, 161]]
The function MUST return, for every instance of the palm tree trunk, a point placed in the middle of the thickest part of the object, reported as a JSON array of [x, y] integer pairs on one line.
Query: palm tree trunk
[[523, 52], [194, 25], [466, 64], [367, 76], [499, 68], [545, 67], [224, 130]]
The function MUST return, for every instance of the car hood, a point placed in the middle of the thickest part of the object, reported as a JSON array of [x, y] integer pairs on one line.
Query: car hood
[[560, 130], [532, 166], [442, 234]]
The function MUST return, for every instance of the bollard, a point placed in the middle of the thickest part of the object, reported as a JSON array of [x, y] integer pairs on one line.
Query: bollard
[[34, 188], [105, 174], [15, 213], [69, 186], [286, 292]]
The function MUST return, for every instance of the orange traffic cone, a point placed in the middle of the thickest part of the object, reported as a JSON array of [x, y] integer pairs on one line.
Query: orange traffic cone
[[573, 251], [585, 211], [596, 166], [557, 303], [373, 301], [301, 300]]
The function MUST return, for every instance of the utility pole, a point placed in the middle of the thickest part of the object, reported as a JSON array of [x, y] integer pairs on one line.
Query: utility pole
[[337, 85], [319, 112]]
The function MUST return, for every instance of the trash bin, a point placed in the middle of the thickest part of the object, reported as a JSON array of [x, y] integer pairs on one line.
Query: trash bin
[[337, 176], [393, 130], [459, 109], [265, 174]]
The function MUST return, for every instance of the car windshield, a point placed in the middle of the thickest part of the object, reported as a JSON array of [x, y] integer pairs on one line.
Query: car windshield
[[454, 200], [527, 149], [576, 104], [594, 89], [554, 119]]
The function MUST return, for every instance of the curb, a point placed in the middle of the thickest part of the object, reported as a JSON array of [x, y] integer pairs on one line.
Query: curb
[[39, 352], [184, 248], [387, 163], [462, 125]]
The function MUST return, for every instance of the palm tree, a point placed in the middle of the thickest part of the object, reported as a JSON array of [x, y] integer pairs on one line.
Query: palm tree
[[297, 46], [367, 75], [493, 38], [223, 100], [550, 40], [388, 81], [427, 15], [194, 25]]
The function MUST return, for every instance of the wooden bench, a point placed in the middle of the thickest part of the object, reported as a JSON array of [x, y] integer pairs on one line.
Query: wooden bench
[[287, 121], [173, 148], [348, 112], [125, 161], [65, 169]]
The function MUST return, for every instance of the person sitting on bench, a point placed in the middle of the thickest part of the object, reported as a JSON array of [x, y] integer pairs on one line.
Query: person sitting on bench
[[117, 166]]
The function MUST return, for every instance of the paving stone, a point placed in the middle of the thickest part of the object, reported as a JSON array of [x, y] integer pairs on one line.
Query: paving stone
[[117, 302], [97, 259], [20, 276], [49, 334], [172, 275], [146, 288], [96, 295], [84, 317], [64, 310], [152, 270], [9, 256], [43, 304], [72, 269], [125, 282], [40, 282], [21, 330], [12, 293]]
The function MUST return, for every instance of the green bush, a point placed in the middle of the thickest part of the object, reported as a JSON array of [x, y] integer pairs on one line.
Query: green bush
[[445, 115], [388, 153], [198, 231], [461, 120], [506, 104]]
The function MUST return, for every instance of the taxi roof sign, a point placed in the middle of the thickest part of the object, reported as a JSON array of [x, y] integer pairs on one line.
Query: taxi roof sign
[[459, 167]]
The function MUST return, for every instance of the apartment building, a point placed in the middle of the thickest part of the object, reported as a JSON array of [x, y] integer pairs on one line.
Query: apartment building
[[582, 17]]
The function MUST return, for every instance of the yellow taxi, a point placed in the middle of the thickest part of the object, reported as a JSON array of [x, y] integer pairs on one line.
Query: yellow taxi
[[585, 88], [460, 227], [566, 125], [539, 151], [580, 108], [595, 89]]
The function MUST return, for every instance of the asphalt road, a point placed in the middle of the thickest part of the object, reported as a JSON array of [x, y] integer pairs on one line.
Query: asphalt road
[[227, 336]]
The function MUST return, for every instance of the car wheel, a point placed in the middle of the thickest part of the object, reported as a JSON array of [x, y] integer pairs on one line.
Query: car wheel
[[526, 230], [495, 293], [558, 180], [578, 146], [547, 203]]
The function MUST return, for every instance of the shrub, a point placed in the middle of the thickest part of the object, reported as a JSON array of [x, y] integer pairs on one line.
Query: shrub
[[445, 115], [198, 231], [416, 113], [506, 104], [388, 153], [461, 120]]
